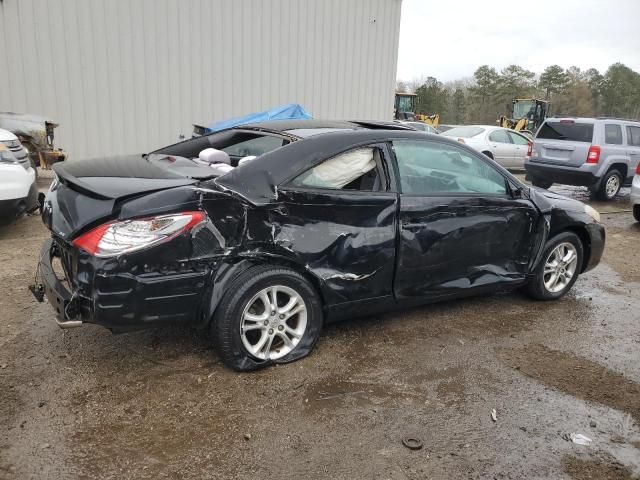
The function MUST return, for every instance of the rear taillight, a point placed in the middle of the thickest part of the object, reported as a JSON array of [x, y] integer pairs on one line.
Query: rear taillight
[[638, 169], [530, 149], [116, 238], [594, 154]]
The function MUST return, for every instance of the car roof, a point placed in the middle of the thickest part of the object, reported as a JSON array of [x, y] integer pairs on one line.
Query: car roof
[[306, 127], [593, 119], [257, 181]]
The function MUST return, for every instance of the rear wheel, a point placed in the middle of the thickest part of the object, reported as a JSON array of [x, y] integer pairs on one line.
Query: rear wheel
[[609, 185], [559, 268], [538, 182], [268, 315], [636, 212]]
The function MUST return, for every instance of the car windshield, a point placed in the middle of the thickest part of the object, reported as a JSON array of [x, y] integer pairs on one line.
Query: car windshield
[[566, 130], [523, 108], [464, 132]]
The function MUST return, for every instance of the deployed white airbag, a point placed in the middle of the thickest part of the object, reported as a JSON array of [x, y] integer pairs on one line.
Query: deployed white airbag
[[341, 170]]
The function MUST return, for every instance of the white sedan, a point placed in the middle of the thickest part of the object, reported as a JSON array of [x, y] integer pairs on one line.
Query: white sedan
[[507, 147]]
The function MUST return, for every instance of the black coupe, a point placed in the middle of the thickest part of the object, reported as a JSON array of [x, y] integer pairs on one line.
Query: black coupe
[[263, 233]]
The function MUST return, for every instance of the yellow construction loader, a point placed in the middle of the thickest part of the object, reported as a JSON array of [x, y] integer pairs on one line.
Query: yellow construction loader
[[526, 114], [433, 120]]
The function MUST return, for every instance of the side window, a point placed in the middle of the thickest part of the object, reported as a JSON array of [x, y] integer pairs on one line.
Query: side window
[[612, 134], [431, 168], [352, 170], [633, 136], [518, 139], [499, 136]]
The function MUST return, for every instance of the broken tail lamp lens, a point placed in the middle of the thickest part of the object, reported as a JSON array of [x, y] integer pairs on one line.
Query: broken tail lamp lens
[[116, 238]]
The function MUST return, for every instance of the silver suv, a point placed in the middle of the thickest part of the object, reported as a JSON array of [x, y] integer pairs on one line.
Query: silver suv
[[599, 153]]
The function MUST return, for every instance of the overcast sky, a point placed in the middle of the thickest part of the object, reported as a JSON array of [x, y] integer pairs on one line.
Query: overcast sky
[[449, 39]]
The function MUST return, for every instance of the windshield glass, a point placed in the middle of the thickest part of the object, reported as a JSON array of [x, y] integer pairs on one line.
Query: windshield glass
[[576, 132], [523, 109], [405, 104], [464, 132]]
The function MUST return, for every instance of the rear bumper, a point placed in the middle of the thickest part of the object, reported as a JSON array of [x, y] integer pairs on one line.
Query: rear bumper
[[57, 294], [561, 174], [635, 191], [120, 301]]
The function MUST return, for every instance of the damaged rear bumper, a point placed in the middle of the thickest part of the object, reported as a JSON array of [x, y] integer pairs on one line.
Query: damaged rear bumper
[[60, 298], [117, 299]]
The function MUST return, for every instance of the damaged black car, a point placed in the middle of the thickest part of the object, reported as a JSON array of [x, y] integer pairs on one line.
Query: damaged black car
[[264, 233]]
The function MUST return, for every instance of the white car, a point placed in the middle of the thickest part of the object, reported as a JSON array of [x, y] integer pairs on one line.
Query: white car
[[18, 189], [507, 147], [635, 194], [423, 127]]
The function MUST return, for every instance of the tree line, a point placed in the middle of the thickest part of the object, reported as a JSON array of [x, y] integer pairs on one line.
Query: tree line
[[488, 94]]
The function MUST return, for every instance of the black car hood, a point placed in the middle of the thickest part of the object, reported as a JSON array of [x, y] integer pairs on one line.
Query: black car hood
[[546, 201], [118, 177]]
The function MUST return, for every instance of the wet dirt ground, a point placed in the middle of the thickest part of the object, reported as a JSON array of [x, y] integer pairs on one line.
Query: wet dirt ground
[[158, 404]]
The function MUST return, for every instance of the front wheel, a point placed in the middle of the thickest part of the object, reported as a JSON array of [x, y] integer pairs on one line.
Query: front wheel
[[636, 212], [559, 268], [269, 314]]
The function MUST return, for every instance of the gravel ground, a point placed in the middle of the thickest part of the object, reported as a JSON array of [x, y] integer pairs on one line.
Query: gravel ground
[[158, 404]]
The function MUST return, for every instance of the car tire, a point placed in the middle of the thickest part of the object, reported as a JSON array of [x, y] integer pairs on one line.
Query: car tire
[[538, 182], [541, 286], [609, 186], [237, 333], [636, 212], [488, 154]]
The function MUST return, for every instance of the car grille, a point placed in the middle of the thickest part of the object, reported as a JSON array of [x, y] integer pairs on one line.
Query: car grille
[[19, 152]]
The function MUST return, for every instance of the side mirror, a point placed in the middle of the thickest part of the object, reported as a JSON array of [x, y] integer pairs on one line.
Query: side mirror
[[516, 192]]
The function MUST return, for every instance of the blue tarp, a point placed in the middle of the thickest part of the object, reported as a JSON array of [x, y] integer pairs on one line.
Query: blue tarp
[[285, 112]]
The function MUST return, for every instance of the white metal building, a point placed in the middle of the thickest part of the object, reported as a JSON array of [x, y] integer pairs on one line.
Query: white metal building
[[125, 76]]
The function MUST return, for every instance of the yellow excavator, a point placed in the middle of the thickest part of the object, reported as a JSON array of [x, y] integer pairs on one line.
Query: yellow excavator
[[526, 114], [433, 120], [405, 108]]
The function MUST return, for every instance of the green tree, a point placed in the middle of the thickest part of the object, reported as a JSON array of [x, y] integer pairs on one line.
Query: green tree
[[483, 105], [458, 108], [486, 87], [432, 97], [515, 81], [621, 92], [553, 80]]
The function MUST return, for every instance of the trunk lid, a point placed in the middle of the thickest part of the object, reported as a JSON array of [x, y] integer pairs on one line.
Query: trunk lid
[[563, 142], [87, 192]]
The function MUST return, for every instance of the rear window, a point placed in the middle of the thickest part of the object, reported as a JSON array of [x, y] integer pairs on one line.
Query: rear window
[[575, 132], [464, 132]]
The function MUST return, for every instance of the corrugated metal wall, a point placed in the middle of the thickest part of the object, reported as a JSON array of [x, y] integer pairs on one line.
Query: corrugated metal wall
[[125, 76]]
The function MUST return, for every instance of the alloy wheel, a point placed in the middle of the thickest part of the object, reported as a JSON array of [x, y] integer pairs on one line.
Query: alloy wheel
[[560, 267], [612, 186], [273, 322]]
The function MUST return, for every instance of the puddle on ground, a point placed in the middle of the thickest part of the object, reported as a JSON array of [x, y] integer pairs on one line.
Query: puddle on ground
[[588, 469], [331, 394], [576, 376]]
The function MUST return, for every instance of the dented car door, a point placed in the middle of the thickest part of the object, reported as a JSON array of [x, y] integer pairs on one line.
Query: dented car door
[[344, 234], [460, 226]]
